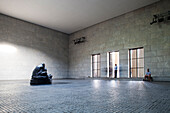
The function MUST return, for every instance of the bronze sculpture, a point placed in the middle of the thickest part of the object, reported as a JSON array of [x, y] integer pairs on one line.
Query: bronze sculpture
[[40, 76]]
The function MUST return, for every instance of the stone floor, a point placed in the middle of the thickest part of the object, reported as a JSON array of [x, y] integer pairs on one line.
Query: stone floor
[[85, 96]]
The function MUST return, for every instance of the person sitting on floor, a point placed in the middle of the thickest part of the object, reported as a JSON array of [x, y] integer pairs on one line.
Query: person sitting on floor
[[148, 75]]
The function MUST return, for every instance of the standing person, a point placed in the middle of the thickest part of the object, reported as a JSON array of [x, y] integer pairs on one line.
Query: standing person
[[115, 68]]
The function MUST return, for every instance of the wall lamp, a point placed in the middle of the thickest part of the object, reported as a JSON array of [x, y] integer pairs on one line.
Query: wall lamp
[[79, 40], [161, 17]]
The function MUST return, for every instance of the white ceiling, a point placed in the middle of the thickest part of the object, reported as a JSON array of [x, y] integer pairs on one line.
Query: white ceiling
[[69, 16]]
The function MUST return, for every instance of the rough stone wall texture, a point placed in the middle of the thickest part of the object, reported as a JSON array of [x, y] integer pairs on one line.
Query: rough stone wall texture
[[122, 33], [34, 44]]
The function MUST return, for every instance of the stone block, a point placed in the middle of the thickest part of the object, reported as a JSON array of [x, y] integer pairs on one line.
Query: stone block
[[163, 52], [123, 57], [153, 65], [150, 54], [157, 59]]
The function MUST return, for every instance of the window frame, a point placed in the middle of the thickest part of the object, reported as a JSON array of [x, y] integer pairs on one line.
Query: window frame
[[98, 65], [137, 62]]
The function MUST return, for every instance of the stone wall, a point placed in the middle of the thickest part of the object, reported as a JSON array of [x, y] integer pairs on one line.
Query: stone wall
[[29, 45], [122, 33]]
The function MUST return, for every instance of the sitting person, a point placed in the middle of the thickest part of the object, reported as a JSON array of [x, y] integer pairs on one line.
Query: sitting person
[[148, 75]]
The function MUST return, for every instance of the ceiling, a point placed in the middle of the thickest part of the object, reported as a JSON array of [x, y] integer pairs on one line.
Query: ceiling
[[69, 16]]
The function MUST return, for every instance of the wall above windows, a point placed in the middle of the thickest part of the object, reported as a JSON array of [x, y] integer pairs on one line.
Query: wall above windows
[[131, 30]]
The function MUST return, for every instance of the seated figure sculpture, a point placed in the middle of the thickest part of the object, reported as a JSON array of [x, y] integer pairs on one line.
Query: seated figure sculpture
[[40, 76]]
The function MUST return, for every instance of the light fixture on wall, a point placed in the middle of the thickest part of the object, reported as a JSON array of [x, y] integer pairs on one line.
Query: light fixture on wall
[[161, 17], [79, 40]]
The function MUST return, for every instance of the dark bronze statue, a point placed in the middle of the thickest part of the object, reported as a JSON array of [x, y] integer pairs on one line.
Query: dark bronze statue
[[40, 76]]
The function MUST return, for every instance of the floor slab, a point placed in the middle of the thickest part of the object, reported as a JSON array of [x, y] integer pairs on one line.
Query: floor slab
[[85, 96]]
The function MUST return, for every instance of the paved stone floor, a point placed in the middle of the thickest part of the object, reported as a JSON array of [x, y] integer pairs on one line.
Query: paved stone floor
[[85, 96]]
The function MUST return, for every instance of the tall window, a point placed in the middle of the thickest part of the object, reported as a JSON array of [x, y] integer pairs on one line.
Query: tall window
[[96, 65], [136, 61]]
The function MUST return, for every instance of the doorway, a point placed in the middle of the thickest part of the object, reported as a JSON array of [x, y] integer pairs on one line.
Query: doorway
[[112, 60]]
